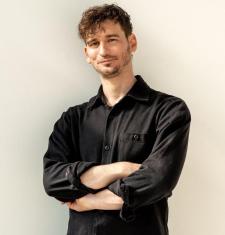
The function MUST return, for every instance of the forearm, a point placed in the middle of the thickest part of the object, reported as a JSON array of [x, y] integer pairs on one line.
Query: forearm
[[98, 177], [59, 178], [106, 200], [103, 200]]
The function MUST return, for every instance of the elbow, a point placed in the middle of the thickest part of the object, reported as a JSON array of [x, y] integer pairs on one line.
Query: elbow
[[50, 191], [48, 186], [57, 190], [167, 186], [51, 184]]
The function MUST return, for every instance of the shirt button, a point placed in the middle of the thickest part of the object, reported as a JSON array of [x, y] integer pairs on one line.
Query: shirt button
[[107, 147], [136, 137]]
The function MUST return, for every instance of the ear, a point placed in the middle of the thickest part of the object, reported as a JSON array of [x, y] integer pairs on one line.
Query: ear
[[86, 55], [132, 42]]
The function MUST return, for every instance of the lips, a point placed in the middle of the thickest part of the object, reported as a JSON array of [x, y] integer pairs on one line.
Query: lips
[[105, 61]]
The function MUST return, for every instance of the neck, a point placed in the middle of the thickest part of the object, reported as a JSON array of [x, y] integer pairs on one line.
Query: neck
[[116, 88]]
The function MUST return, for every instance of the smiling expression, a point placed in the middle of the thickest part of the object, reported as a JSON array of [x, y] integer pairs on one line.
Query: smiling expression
[[109, 50]]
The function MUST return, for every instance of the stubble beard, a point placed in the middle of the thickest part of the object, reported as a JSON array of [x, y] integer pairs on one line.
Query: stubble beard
[[115, 71]]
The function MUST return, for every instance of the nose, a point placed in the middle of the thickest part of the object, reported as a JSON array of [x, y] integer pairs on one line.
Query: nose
[[103, 49]]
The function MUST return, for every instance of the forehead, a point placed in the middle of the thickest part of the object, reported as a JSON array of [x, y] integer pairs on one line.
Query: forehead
[[106, 28]]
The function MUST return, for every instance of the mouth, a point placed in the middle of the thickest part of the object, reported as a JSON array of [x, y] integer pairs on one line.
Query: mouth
[[105, 61]]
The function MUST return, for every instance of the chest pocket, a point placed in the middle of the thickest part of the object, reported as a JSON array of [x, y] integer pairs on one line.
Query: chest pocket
[[135, 147]]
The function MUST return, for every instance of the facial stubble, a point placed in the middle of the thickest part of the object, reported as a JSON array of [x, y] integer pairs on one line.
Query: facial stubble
[[126, 58]]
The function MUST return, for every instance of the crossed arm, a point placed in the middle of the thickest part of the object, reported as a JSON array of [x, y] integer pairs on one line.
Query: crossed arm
[[98, 177], [149, 182]]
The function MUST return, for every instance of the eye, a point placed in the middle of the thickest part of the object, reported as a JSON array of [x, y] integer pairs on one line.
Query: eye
[[112, 40], [93, 44]]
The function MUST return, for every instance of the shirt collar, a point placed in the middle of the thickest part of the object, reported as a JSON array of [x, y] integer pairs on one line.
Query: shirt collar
[[139, 91]]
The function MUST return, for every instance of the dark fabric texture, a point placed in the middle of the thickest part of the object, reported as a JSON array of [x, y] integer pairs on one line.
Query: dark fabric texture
[[146, 126]]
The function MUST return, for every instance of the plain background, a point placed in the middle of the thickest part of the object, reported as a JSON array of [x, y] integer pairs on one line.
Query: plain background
[[181, 51]]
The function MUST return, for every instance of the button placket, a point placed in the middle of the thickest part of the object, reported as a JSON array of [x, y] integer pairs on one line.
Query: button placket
[[107, 145]]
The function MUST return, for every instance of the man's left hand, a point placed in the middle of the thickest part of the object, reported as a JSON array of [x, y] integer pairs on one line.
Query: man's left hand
[[85, 203]]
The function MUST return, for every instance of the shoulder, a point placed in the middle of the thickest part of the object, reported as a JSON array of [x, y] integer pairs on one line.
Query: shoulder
[[78, 110], [167, 104], [74, 112]]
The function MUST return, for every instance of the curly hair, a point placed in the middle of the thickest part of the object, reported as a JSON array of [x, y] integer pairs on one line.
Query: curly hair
[[94, 16]]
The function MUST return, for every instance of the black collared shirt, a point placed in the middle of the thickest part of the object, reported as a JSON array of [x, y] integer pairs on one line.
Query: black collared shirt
[[147, 127]]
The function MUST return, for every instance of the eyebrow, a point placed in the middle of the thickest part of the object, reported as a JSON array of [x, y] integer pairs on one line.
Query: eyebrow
[[112, 35], [108, 36]]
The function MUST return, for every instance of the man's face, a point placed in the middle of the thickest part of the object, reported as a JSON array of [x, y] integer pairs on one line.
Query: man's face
[[108, 49]]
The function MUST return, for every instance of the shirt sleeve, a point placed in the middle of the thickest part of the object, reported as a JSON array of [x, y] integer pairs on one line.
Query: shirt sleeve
[[62, 164], [160, 171]]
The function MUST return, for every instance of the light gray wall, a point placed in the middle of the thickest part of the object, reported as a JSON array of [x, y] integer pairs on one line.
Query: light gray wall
[[181, 51]]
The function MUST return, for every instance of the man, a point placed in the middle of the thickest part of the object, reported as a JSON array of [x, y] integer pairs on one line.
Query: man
[[115, 160]]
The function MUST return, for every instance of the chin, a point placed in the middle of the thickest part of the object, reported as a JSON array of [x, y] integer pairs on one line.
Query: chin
[[110, 75], [108, 72]]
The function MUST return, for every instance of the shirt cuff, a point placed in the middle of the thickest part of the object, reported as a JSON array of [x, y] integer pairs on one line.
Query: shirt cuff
[[80, 168], [118, 187]]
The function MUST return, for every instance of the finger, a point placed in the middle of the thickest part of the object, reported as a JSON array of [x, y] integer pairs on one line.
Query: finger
[[68, 204]]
